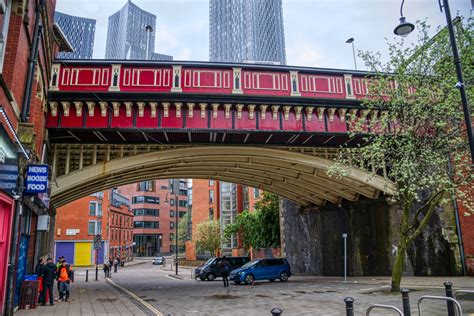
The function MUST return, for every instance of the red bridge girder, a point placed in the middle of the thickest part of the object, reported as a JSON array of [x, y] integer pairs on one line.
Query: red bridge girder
[[188, 102]]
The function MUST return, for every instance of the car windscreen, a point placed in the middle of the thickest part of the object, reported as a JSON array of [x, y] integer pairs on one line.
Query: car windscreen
[[209, 261], [250, 264]]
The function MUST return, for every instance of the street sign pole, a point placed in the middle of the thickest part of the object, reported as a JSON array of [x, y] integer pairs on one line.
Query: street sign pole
[[97, 246], [345, 256]]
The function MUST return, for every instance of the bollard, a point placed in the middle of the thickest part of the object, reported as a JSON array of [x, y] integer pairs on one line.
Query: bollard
[[87, 275], [448, 286], [276, 311], [349, 306], [406, 302], [96, 272]]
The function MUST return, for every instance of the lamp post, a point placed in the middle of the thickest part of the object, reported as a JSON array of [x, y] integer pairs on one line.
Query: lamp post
[[351, 41], [176, 228], [405, 28]]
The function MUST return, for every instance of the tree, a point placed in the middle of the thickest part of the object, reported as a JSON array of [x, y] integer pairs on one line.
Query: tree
[[259, 228], [417, 131], [182, 231], [208, 236]]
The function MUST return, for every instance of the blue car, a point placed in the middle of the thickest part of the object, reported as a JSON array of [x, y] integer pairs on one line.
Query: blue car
[[262, 269]]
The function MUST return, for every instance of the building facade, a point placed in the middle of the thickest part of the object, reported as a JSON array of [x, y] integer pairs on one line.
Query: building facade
[[104, 213], [246, 31], [131, 35], [80, 33], [154, 208], [221, 201]]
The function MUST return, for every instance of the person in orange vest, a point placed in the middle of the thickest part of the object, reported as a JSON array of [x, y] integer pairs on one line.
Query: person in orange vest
[[65, 275]]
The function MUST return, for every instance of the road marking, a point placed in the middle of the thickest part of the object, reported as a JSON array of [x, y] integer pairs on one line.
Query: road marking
[[137, 298]]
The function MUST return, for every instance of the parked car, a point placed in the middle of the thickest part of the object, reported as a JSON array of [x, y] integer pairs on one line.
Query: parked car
[[159, 260], [212, 268], [262, 269]]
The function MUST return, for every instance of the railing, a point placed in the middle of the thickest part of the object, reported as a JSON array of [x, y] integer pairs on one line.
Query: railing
[[381, 306], [439, 298]]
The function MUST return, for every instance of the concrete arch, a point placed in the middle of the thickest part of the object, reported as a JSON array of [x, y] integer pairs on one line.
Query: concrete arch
[[295, 176]]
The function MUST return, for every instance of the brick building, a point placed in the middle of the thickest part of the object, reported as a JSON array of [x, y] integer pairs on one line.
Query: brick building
[[154, 208], [220, 201], [104, 213], [25, 65]]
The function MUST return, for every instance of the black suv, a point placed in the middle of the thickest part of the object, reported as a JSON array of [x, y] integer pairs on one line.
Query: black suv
[[213, 269]]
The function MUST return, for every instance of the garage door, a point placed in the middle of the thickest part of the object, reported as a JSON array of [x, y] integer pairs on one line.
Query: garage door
[[83, 254]]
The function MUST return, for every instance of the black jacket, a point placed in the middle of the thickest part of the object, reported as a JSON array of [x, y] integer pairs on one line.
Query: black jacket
[[39, 269], [49, 273]]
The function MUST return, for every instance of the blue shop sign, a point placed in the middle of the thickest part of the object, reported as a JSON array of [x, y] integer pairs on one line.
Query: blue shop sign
[[8, 163], [36, 179]]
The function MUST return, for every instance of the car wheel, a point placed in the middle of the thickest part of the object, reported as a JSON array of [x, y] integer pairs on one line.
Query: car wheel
[[237, 282], [272, 280], [284, 277], [202, 279], [249, 279], [211, 276]]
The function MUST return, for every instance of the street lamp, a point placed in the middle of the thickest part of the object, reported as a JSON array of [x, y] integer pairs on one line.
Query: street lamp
[[405, 28], [148, 30], [175, 226], [351, 41]]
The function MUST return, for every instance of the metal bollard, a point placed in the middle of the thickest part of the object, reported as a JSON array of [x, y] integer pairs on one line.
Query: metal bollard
[[406, 302], [448, 286], [276, 311], [87, 275], [349, 306], [96, 272]]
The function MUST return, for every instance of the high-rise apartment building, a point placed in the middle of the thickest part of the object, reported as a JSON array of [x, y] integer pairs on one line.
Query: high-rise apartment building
[[246, 31], [154, 207], [80, 33], [131, 35]]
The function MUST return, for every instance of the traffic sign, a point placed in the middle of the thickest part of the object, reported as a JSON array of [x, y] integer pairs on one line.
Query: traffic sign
[[97, 242]]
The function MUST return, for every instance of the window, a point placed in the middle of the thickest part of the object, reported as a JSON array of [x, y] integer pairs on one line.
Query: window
[[146, 224], [182, 203], [182, 214], [183, 192], [171, 224], [256, 193], [94, 228], [99, 195], [211, 196], [211, 213], [172, 202], [95, 208], [164, 187], [171, 236], [211, 183], [146, 199], [145, 186], [171, 213], [146, 212]]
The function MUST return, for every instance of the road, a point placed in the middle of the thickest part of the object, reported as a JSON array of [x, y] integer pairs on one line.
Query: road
[[299, 296]]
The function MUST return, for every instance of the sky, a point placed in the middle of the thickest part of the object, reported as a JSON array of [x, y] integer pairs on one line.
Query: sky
[[315, 30]]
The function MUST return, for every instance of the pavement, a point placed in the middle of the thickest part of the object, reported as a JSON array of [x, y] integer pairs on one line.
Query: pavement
[[144, 289]]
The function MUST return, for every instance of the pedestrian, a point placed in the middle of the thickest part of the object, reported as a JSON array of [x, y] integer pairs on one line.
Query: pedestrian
[[49, 274], [225, 266], [65, 276], [106, 269], [116, 262], [39, 273], [58, 264]]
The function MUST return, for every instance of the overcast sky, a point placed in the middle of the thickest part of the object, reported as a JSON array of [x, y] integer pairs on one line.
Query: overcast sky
[[315, 30]]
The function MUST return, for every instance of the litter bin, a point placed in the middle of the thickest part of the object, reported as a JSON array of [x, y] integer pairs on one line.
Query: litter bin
[[29, 293]]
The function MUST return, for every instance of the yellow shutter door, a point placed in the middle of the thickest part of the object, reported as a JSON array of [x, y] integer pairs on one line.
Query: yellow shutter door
[[83, 254]]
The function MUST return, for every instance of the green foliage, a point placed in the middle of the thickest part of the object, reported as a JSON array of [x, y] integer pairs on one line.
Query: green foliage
[[208, 236], [420, 130], [260, 228]]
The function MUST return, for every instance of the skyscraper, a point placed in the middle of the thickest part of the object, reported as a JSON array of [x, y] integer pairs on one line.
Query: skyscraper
[[131, 35], [246, 31], [80, 32]]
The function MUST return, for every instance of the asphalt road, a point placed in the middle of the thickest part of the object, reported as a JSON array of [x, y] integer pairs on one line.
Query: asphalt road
[[300, 296]]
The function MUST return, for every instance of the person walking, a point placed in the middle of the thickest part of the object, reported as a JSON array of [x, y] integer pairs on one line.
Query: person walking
[[65, 276], [225, 271], [116, 262], [49, 274], [58, 264], [106, 269], [39, 272]]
